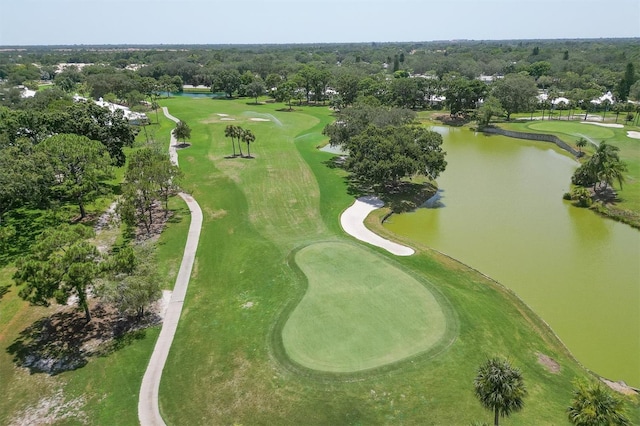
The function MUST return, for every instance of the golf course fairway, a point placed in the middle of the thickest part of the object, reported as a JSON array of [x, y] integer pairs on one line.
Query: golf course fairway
[[359, 312]]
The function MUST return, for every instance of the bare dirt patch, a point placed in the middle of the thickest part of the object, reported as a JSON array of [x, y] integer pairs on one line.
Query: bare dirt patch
[[215, 214], [549, 363], [621, 387], [51, 410]]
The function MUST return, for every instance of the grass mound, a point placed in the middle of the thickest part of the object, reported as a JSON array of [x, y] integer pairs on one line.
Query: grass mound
[[359, 312]]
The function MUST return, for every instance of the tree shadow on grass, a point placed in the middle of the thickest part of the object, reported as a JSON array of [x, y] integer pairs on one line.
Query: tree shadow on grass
[[4, 289], [26, 225], [64, 341]]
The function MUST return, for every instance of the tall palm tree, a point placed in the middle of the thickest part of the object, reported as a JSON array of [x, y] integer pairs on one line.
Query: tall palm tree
[[606, 165], [237, 133], [248, 137], [593, 405], [581, 143], [500, 387], [229, 132]]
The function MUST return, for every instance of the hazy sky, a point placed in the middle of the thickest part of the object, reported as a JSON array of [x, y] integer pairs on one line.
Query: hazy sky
[[31, 22]]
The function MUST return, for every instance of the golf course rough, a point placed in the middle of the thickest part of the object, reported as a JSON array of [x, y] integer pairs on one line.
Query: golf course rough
[[359, 312]]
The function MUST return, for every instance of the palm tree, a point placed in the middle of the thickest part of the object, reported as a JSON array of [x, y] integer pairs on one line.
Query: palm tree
[[593, 405], [248, 137], [606, 165], [237, 133], [500, 387], [581, 143], [229, 132], [612, 171]]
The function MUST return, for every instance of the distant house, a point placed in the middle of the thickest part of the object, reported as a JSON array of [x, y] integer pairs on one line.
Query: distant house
[[27, 93], [606, 97], [136, 118]]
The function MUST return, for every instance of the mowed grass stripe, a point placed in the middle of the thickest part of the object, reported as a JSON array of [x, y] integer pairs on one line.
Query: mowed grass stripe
[[360, 312]]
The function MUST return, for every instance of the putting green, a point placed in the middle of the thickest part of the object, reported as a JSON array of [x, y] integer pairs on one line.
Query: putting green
[[359, 312], [573, 129]]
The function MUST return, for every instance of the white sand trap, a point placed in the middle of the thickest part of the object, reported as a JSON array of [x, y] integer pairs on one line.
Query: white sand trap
[[260, 119], [227, 119], [352, 221], [633, 134], [617, 126], [222, 115]]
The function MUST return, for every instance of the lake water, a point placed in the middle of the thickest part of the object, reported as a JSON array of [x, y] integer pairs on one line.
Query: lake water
[[500, 210]]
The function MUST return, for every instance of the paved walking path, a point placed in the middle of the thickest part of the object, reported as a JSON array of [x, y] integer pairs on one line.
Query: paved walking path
[[352, 221], [148, 408]]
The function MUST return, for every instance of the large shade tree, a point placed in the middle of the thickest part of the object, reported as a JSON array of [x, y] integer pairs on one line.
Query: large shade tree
[[61, 264], [182, 131], [515, 93], [79, 166], [500, 388], [383, 155]]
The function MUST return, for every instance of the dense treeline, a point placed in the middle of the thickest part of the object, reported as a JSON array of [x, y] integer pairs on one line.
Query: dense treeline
[[596, 65]]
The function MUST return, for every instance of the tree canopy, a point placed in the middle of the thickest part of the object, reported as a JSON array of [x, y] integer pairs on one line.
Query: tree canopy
[[79, 166], [500, 387], [61, 264]]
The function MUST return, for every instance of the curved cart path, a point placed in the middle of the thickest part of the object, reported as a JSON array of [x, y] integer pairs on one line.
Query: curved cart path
[[352, 221], [148, 408]]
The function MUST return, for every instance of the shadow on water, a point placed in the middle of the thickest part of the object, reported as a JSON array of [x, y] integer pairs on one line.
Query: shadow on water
[[434, 202]]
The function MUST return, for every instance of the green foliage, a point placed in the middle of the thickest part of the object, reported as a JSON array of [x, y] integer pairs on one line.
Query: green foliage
[[602, 169], [133, 280], [463, 94], [500, 387], [594, 405], [61, 264], [182, 132], [489, 109], [516, 93], [150, 177], [384, 155], [78, 165], [581, 196]]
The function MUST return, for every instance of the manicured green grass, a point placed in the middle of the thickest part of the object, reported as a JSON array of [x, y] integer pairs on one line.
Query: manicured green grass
[[225, 365], [349, 319]]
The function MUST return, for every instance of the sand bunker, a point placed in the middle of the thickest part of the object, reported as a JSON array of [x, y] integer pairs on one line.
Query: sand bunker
[[222, 115], [617, 126], [352, 221], [260, 119], [633, 134], [227, 119]]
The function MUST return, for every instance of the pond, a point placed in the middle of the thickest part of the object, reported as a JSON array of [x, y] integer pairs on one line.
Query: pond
[[500, 210]]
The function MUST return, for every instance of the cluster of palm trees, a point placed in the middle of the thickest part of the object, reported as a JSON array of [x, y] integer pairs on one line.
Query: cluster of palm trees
[[500, 387], [241, 135], [602, 169]]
